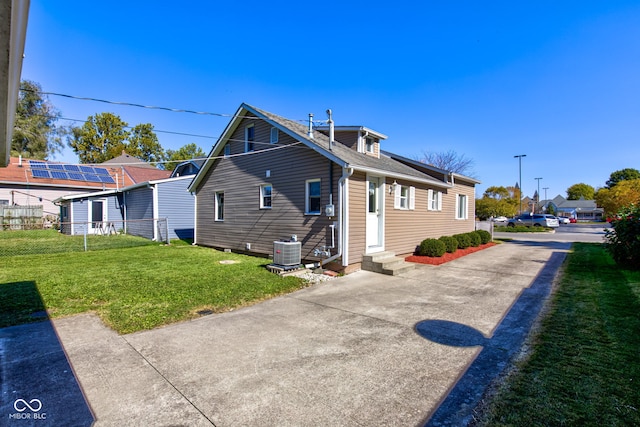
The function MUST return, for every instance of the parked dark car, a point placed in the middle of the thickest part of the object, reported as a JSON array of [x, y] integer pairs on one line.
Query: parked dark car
[[535, 220]]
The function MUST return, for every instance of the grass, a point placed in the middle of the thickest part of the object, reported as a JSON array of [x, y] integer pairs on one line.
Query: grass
[[137, 288], [584, 366], [32, 242]]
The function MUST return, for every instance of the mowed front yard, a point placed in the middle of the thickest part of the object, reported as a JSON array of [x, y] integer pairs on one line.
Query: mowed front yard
[[136, 288]]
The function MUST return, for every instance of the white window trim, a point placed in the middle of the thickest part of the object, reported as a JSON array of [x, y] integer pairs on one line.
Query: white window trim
[[465, 207], [274, 135], [215, 206], [367, 146], [307, 195], [410, 198], [262, 196], [434, 198], [246, 138]]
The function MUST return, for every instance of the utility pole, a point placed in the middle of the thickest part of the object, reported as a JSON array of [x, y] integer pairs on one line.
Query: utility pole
[[520, 156], [538, 201], [545, 192]]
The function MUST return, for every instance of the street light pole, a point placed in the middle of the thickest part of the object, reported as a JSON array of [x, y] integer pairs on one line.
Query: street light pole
[[545, 192], [520, 156], [538, 201]]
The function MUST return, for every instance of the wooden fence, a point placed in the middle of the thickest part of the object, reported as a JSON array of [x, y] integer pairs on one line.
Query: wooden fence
[[21, 217]]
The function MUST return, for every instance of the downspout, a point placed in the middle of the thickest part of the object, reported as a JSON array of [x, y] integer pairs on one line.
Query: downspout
[[154, 193], [195, 217], [342, 216]]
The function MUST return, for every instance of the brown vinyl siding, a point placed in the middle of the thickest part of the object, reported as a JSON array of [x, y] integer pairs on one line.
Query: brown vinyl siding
[[347, 137], [240, 178], [357, 216], [405, 229]]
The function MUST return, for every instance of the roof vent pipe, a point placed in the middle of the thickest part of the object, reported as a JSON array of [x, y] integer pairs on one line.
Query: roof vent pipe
[[330, 123], [310, 126]]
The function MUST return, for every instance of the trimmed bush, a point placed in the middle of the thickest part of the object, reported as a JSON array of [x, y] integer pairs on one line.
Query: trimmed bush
[[463, 240], [485, 236], [450, 243], [432, 247], [475, 239]]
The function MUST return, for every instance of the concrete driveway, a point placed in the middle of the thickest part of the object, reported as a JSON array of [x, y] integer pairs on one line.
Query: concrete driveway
[[360, 350]]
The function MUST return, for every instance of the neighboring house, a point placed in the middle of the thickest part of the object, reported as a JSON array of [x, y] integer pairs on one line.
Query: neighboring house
[[269, 178], [189, 167], [27, 182], [581, 210], [153, 209]]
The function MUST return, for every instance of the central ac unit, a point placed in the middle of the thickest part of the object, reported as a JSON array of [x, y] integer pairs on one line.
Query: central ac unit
[[286, 253]]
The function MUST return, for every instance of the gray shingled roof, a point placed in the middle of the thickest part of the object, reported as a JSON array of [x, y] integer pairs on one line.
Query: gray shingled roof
[[348, 156]]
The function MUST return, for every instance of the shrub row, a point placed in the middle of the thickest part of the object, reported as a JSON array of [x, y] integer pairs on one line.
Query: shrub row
[[623, 241], [450, 244]]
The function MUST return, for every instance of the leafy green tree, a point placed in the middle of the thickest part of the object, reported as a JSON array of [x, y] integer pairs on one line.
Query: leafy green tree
[[101, 138], [624, 193], [581, 190], [497, 193], [143, 144], [35, 134], [186, 152], [496, 201], [622, 175], [105, 136]]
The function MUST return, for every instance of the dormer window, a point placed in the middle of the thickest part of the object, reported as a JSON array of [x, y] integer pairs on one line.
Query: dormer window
[[368, 145]]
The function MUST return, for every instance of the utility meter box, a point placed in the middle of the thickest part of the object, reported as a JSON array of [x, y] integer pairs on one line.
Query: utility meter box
[[330, 210]]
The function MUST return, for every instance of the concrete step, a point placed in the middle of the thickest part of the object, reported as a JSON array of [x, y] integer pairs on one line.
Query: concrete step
[[386, 263]]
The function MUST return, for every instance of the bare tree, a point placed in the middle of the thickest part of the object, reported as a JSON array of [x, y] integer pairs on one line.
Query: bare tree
[[448, 161]]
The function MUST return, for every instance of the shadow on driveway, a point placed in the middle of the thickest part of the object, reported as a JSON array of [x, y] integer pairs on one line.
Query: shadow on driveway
[[38, 386], [457, 407]]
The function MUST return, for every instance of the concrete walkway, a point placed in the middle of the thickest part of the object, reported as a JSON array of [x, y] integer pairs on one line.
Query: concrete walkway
[[362, 350]]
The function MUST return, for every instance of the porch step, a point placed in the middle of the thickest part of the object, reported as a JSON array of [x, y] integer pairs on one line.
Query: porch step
[[386, 263]]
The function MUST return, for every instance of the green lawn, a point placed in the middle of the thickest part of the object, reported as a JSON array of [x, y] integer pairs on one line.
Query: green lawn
[[137, 288], [584, 368], [32, 242]]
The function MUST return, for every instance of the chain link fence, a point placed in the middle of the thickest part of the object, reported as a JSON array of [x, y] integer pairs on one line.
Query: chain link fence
[[83, 236]]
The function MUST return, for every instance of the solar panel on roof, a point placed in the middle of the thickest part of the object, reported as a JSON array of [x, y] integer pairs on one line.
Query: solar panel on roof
[[106, 179], [71, 168], [101, 171], [59, 175], [91, 177], [56, 166], [40, 173], [77, 176], [86, 169], [37, 165]]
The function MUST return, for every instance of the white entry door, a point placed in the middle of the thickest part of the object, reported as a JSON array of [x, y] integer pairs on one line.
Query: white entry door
[[375, 214], [97, 215]]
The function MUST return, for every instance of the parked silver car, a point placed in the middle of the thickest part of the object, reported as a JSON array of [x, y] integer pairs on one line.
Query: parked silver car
[[535, 220]]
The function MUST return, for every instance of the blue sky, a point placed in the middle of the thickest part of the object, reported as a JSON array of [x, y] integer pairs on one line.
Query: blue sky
[[557, 81]]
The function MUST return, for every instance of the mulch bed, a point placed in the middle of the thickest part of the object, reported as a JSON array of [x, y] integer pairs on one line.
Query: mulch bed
[[447, 256]]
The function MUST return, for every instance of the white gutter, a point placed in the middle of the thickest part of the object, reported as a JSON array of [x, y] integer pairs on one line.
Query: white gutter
[[382, 172], [343, 223]]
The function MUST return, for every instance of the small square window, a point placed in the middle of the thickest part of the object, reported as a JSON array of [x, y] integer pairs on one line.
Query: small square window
[[274, 135], [265, 196], [227, 149]]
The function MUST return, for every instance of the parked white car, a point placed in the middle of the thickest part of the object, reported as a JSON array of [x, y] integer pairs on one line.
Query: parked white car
[[563, 220], [500, 219]]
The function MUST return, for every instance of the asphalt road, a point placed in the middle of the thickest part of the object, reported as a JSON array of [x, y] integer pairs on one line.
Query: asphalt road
[[589, 233]]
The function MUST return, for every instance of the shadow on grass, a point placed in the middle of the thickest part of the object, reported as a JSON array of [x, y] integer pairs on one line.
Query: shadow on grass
[[38, 383]]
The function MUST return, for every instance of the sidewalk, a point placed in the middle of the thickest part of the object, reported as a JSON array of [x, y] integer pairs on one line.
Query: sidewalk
[[360, 350]]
